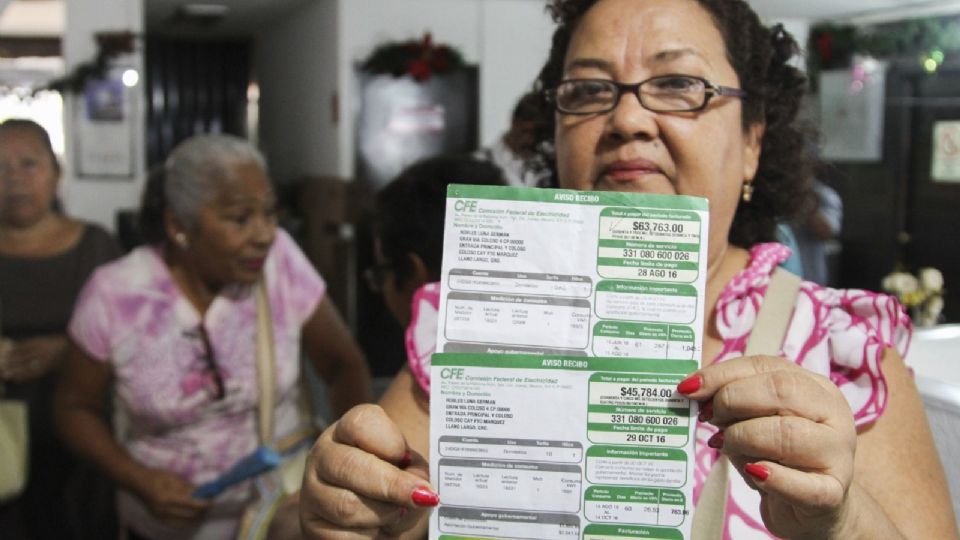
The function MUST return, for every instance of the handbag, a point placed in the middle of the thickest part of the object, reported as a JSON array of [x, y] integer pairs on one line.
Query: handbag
[[14, 441], [765, 338], [274, 486]]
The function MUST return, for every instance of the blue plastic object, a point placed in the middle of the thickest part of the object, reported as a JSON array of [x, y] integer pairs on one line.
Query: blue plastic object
[[260, 460]]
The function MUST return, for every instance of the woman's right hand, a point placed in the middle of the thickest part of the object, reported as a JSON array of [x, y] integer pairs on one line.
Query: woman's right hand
[[169, 497], [362, 480]]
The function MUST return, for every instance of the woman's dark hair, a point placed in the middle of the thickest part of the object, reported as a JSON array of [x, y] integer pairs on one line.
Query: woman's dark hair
[[410, 209], [153, 204], [37, 131], [525, 113], [759, 55]]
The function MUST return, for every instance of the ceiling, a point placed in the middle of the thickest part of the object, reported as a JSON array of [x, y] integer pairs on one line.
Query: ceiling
[[20, 17], [242, 16], [31, 18], [862, 10]]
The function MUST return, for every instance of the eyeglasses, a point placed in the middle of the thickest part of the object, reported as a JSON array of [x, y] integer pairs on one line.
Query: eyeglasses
[[211, 362], [375, 275], [665, 93]]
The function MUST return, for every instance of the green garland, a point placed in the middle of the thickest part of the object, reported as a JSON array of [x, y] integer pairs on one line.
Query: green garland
[[831, 46], [109, 46]]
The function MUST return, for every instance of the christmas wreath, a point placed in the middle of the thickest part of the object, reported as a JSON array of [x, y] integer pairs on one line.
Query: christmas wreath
[[419, 59]]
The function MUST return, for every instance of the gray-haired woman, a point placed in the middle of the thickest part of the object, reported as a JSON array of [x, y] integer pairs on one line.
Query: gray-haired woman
[[173, 327]]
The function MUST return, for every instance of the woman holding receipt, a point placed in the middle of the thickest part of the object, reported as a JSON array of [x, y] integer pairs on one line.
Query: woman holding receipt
[[696, 97]]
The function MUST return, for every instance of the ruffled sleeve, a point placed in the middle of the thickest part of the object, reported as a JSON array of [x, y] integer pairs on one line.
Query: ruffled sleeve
[[838, 333], [852, 330], [421, 335]]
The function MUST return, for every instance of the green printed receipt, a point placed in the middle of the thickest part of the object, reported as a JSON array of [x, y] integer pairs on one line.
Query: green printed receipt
[[566, 320]]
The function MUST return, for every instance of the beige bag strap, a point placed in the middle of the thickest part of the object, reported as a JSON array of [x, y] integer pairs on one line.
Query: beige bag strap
[[765, 338], [774, 315], [711, 510], [266, 370]]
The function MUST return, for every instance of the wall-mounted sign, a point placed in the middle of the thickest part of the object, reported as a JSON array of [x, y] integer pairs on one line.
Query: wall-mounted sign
[[851, 113], [945, 163], [104, 128]]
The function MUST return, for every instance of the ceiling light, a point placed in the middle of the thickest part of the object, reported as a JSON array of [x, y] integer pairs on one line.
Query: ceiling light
[[204, 10], [198, 15]]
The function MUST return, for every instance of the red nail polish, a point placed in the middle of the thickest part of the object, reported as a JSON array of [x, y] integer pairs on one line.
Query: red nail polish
[[406, 460], [424, 496], [706, 411], [690, 385], [757, 471], [716, 441]]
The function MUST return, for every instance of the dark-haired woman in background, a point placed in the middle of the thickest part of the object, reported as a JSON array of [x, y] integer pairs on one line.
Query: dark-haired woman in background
[[173, 327], [826, 440], [45, 258], [408, 248]]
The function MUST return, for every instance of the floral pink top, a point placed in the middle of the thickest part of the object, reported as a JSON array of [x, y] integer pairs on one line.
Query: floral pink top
[[841, 334], [132, 315]]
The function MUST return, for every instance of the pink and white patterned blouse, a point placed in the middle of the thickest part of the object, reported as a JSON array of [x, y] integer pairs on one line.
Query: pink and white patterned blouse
[[841, 334], [132, 315]]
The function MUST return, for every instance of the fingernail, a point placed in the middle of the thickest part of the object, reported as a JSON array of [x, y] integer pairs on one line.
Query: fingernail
[[757, 471], [690, 385], [706, 411], [424, 496], [716, 441], [406, 460]]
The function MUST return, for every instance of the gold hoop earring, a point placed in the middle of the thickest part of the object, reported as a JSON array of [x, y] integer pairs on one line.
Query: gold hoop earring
[[747, 194]]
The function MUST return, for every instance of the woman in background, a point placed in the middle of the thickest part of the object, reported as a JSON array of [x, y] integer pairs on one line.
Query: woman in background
[[172, 326], [408, 248], [45, 258]]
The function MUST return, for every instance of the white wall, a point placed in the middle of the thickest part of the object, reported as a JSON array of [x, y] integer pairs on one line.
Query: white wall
[[295, 61], [98, 199], [516, 40]]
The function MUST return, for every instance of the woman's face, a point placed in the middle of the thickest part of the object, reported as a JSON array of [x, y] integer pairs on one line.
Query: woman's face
[[28, 178], [705, 153], [235, 229]]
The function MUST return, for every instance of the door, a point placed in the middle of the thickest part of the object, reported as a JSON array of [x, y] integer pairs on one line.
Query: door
[[932, 204]]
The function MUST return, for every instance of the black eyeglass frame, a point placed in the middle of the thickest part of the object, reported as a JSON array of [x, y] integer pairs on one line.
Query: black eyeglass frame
[[710, 90]]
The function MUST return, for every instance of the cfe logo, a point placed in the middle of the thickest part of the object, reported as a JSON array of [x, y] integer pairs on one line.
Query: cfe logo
[[465, 206], [451, 373]]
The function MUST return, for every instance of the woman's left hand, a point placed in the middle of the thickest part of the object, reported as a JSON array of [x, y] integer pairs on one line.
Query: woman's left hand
[[791, 435], [32, 358]]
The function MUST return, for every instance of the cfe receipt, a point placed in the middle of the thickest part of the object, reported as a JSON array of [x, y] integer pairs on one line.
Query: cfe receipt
[[567, 319]]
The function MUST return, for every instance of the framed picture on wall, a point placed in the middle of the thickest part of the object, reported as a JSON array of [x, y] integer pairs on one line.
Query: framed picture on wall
[[945, 160], [851, 112], [105, 118]]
